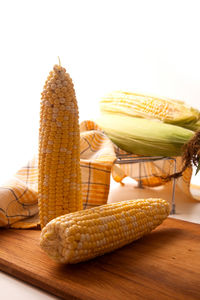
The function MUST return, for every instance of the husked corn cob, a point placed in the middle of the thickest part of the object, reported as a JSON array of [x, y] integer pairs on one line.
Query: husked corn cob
[[89, 233], [144, 137], [151, 107], [59, 183]]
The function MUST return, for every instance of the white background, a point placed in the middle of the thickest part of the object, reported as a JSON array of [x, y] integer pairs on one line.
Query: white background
[[145, 46]]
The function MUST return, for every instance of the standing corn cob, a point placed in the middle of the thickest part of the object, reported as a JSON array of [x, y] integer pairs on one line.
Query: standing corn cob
[[59, 183], [151, 107], [86, 234]]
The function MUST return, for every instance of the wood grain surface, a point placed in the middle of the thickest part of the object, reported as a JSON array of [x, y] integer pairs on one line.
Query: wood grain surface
[[162, 265]]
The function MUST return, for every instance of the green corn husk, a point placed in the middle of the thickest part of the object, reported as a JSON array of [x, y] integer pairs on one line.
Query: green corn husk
[[144, 137], [167, 110], [196, 126]]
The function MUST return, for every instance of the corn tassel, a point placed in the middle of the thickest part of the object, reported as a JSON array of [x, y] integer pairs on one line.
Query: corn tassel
[[89, 233], [59, 183]]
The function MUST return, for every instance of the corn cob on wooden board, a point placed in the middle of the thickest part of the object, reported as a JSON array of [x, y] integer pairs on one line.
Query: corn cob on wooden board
[[162, 265]]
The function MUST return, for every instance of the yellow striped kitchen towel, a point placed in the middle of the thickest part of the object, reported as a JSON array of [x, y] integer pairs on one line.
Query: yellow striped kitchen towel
[[19, 196]]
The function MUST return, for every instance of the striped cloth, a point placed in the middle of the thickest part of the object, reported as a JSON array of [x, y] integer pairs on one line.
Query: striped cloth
[[18, 197]]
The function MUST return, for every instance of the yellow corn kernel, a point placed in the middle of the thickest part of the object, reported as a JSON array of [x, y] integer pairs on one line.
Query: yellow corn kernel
[[118, 224], [59, 183]]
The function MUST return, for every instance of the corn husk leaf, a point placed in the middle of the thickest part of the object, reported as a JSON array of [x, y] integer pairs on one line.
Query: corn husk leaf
[[144, 137]]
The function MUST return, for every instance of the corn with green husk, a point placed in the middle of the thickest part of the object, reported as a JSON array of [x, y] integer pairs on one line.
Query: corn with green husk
[[151, 107], [144, 137]]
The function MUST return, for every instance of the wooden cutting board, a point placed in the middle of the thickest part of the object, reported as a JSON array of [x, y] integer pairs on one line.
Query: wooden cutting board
[[163, 265]]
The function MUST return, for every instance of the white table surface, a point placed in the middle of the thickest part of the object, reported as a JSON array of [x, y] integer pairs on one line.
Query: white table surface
[[14, 289]]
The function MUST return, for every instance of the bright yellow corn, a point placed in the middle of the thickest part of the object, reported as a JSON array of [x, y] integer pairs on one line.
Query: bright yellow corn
[[89, 233], [151, 107], [59, 183]]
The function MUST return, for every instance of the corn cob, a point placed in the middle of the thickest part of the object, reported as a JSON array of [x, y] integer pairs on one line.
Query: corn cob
[[89, 233], [150, 107], [59, 183], [144, 137]]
